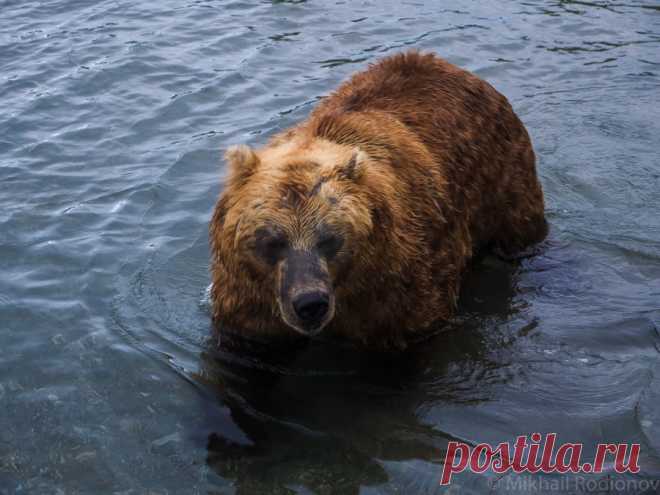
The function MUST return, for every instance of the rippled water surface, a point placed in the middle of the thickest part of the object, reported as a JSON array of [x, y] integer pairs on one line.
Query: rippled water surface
[[113, 115]]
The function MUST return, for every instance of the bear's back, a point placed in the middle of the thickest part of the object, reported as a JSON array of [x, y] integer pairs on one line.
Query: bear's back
[[418, 89], [476, 141]]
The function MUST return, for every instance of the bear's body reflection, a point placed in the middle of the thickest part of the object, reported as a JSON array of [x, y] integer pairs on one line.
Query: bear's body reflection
[[324, 416]]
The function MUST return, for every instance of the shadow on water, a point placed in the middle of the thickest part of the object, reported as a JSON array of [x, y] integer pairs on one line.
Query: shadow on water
[[327, 417]]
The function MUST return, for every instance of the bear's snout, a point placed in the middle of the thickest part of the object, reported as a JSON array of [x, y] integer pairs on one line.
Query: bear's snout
[[311, 307], [305, 299]]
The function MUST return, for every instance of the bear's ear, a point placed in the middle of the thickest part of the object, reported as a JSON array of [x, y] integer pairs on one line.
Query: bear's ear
[[353, 169], [242, 162]]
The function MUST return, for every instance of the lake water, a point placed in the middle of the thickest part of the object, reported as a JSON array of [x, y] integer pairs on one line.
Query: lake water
[[113, 116]]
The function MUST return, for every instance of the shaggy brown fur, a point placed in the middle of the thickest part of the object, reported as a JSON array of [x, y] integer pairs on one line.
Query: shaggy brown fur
[[414, 165]]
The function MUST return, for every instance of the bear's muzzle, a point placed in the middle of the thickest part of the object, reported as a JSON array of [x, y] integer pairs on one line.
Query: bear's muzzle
[[305, 295]]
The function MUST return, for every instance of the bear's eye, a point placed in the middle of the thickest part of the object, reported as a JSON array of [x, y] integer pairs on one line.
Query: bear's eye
[[270, 246], [329, 244]]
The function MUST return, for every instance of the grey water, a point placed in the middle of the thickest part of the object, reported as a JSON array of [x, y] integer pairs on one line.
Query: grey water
[[113, 118]]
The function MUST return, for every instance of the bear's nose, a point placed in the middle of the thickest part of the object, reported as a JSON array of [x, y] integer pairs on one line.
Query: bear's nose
[[311, 307]]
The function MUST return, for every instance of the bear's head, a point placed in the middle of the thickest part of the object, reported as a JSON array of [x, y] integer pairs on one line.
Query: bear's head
[[292, 223]]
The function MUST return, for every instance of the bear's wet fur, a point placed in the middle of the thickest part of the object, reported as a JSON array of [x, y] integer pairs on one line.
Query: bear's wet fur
[[373, 205]]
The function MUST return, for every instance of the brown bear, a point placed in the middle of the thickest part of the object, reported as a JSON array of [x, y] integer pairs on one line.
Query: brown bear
[[358, 222]]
